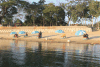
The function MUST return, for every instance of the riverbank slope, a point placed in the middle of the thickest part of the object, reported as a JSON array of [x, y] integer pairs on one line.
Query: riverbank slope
[[94, 37]]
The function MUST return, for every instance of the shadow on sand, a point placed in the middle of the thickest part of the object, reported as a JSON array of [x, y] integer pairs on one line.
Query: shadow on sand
[[73, 36], [94, 37], [50, 36], [27, 36], [32, 35], [21, 35]]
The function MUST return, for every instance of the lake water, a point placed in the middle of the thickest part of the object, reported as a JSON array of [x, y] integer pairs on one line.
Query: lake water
[[15, 53]]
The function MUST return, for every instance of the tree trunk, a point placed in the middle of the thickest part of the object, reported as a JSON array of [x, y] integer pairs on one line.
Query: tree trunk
[[43, 21], [95, 20], [0, 19], [98, 23], [56, 21], [51, 18], [33, 23], [81, 23], [68, 21], [92, 21], [85, 21], [50, 23]]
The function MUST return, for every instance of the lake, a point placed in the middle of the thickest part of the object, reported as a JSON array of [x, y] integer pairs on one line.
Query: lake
[[14, 53]]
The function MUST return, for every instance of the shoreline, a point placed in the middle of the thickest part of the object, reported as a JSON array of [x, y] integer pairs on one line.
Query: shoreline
[[80, 41], [94, 37]]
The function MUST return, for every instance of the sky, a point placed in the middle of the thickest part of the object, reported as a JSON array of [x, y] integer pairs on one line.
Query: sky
[[56, 2]]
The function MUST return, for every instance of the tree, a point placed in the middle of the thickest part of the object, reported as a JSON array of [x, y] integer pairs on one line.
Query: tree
[[59, 15], [97, 10], [49, 9], [76, 9], [7, 9], [55, 15], [6, 21], [40, 11], [82, 11], [28, 21], [51, 12], [70, 11], [94, 8], [33, 12], [96, 25]]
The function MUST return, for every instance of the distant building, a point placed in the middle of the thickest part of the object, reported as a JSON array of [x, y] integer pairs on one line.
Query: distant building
[[17, 24], [74, 24], [0, 25]]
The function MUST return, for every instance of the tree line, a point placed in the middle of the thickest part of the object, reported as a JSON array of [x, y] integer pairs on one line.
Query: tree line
[[42, 14], [81, 10], [37, 13]]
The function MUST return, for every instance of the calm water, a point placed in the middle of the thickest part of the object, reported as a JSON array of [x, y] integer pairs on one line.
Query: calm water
[[15, 53]]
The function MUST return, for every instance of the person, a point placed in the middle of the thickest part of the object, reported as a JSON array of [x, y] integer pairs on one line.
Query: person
[[85, 36], [26, 34], [16, 35], [40, 34]]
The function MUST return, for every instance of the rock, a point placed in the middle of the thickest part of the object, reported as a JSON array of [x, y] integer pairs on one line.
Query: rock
[[46, 38], [68, 40]]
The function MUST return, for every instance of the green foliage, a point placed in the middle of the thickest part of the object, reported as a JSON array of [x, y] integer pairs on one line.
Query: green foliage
[[94, 8], [7, 9], [49, 14], [49, 8], [96, 24], [24, 24], [7, 4], [6, 21], [37, 13], [76, 12], [18, 21], [54, 14]]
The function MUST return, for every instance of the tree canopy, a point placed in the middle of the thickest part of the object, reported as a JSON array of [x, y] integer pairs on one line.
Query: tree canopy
[[49, 14]]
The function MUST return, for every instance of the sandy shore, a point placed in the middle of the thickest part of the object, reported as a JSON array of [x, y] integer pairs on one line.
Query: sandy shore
[[94, 37]]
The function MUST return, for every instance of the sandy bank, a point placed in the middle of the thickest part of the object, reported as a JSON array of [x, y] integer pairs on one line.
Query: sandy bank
[[56, 37]]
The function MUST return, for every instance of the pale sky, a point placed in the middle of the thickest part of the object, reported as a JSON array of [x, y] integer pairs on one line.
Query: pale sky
[[51, 1], [56, 2]]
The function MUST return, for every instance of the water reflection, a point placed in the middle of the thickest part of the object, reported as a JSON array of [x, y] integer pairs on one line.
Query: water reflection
[[18, 52], [14, 53]]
